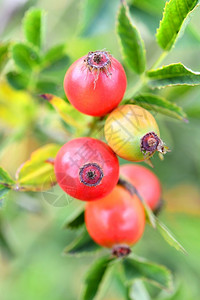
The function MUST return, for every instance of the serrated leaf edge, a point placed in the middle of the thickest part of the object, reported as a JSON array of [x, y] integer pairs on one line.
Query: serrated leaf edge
[[131, 24], [177, 34]]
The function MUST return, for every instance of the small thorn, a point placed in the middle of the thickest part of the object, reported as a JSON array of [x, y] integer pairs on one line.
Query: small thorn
[[149, 162]]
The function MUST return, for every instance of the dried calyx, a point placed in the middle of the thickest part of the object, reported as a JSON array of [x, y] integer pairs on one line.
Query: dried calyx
[[98, 60], [91, 174], [121, 250], [151, 143]]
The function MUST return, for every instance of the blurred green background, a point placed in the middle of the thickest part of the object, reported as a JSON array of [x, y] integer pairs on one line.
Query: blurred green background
[[31, 262]]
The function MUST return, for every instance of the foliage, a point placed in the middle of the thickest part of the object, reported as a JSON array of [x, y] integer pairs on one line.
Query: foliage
[[174, 15], [158, 104], [37, 174], [174, 74], [31, 70], [132, 45]]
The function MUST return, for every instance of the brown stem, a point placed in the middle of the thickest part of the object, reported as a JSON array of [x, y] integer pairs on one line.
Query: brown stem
[[133, 191], [127, 185], [130, 187]]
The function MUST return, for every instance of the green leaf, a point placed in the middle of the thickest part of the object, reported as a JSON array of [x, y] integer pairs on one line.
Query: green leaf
[[158, 104], [168, 236], [153, 7], [119, 281], [76, 222], [193, 111], [4, 244], [131, 43], [48, 86], [177, 294], [150, 218], [5, 178], [89, 11], [82, 245], [139, 268], [97, 16], [137, 291], [3, 191], [94, 277], [25, 58], [175, 13], [4, 54], [18, 81], [67, 112], [55, 59], [37, 174], [174, 74], [33, 24]]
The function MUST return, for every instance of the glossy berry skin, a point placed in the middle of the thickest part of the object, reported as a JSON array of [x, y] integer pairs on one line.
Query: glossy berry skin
[[117, 219], [95, 84], [145, 181], [126, 127], [86, 168]]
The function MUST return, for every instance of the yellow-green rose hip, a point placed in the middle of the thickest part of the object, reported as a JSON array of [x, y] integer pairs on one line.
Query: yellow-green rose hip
[[133, 134]]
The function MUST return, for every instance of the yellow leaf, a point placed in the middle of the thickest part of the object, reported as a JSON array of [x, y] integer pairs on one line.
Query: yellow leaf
[[67, 112]]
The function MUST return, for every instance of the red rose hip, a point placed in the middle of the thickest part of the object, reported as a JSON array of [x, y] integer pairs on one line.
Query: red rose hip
[[117, 220], [95, 84], [145, 181], [86, 168]]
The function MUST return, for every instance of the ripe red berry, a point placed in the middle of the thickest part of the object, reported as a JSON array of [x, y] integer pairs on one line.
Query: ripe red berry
[[145, 181], [86, 168], [132, 132], [95, 84], [117, 219]]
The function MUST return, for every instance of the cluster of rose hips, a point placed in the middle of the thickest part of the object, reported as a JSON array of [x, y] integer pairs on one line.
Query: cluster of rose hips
[[88, 169]]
